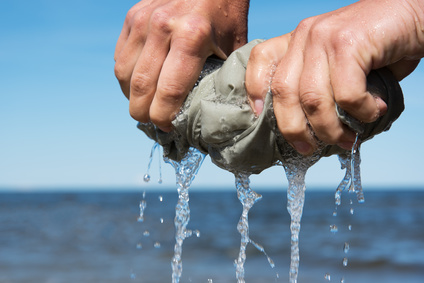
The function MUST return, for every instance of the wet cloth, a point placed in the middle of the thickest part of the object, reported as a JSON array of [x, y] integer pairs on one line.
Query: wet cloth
[[216, 118]]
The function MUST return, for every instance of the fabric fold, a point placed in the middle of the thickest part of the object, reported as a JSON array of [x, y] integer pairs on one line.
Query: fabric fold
[[216, 118]]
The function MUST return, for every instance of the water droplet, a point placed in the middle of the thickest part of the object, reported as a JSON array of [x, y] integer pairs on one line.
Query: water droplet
[[157, 245], [342, 280], [146, 233], [144, 194], [160, 198], [210, 281], [346, 247], [350, 227], [161, 220], [351, 211], [345, 261], [351, 202], [142, 206], [139, 246], [334, 228], [335, 213], [132, 275], [338, 197], [197, 233], [146, 178], [160, 181], [327, 277]]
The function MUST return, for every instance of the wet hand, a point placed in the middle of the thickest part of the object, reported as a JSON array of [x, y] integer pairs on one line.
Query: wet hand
[[163, 46], [325, 61]]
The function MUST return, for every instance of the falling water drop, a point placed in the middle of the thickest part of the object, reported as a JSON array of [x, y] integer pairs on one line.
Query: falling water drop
[[351, 211], [349, 227], [161, 220], [327, 277], [345, 261], [139, 246], [160, 198], [146, 233], [146, 178], [334, 228], [346, 247], [156, 245]]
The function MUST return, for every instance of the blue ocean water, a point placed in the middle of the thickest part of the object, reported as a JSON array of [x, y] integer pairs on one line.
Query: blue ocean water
[[95, 237]]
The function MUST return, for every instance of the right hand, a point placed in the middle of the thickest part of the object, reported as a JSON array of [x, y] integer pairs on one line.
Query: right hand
[[163, 46]]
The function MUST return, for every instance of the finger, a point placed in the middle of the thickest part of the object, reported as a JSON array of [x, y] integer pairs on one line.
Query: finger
[[126, 61], [180, 71], [130, 20], [145, 76], [316, 98], [403, 68], [349, 83], [130, 45], [291, 119], [261, 66]]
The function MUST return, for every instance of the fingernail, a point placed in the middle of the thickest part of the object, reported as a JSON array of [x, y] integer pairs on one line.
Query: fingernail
[[381, 105], [259, 106], [302, 147]]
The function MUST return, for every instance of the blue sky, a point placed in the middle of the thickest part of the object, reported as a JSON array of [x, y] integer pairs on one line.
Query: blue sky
[[65, 124]]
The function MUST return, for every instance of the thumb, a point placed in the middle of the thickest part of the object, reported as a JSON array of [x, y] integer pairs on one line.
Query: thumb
[[260, 69]]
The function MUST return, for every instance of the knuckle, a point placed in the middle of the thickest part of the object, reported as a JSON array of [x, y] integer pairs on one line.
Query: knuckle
[[260, 52], [119, 70], [310, 102], [161, 21], [140, 84], [137, 18], [280, 90], [196, 30], [172, 92]]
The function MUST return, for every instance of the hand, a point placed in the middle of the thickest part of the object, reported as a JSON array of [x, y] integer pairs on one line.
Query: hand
[[325, 61], [163, 47]]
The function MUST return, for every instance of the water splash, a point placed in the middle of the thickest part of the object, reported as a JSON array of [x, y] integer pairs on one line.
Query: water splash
[[248, 198], [185, 171]]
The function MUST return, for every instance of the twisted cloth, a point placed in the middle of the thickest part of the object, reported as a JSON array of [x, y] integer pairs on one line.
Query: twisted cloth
[[216, 118]]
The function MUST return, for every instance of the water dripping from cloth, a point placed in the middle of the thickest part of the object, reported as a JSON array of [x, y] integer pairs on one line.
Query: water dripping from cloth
[[185, 172], [351, 183], [248, 198], [295, 167]]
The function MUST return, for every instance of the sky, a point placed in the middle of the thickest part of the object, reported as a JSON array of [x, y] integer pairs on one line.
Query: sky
[[65, 124]]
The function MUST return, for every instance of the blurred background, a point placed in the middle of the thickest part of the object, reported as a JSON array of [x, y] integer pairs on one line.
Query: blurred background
[[72, 164]]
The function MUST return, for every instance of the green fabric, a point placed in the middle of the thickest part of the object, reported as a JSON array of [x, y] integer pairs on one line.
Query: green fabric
[[216, 119]]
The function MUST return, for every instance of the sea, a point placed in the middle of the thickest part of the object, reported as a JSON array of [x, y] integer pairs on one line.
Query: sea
[[96, 236]]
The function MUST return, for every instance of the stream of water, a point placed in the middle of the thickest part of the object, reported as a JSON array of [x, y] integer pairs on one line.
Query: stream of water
[[295, 167]]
